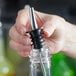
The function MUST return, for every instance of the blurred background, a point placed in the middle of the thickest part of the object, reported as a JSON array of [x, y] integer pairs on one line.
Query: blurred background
[[11, 64]]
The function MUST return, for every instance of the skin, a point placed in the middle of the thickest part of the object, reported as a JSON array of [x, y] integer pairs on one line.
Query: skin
[[59, 35]]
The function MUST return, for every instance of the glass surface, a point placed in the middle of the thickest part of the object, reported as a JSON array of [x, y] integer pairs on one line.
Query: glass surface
[[40, 62]]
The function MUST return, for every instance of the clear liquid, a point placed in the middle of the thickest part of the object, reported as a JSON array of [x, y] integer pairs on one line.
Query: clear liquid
[[36, 70], [40, 63]]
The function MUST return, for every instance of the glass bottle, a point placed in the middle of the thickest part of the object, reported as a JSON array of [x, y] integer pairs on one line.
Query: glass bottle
[[39, 56], [60, 67], [6, 67], [40, 62]]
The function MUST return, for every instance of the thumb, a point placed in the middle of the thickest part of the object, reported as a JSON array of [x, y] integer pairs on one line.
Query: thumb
[[48, 29]]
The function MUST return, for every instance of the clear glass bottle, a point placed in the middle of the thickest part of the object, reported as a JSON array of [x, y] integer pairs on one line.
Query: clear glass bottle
[[39, 56], [40, 62], [6, 67]]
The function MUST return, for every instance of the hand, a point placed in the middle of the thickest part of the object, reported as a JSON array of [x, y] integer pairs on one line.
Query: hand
[[53, 31]]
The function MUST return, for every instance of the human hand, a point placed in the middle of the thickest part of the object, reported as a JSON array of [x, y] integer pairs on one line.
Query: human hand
[[53, 31]]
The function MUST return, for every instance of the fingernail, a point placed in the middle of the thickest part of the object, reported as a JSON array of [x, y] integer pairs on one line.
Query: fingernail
[[27, 34], [45, 33], [22, 31], [27, 6]]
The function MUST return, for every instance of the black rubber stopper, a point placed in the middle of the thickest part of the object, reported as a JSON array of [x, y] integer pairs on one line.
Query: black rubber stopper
[[37, 38]]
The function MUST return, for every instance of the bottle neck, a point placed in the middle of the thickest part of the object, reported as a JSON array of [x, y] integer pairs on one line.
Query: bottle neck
[[37, 38]]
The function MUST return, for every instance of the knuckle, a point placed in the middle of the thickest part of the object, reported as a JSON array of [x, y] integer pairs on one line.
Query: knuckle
[[56, 21], [20, 12], [23, 11], [57, 18]]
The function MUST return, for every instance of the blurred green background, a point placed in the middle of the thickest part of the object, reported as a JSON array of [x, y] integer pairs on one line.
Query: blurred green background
[[61, 65]]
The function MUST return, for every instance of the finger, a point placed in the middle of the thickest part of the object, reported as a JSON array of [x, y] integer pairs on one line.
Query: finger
[[48, 29], [23, 54], [21, 49], [23, 18], [51, 46], [22, 30], [19, 38]]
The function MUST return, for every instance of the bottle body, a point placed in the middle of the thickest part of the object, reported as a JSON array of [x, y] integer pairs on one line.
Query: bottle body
[[40, 62]]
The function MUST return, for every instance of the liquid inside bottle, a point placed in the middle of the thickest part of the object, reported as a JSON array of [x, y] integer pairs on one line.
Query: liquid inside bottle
[[40, 63]]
